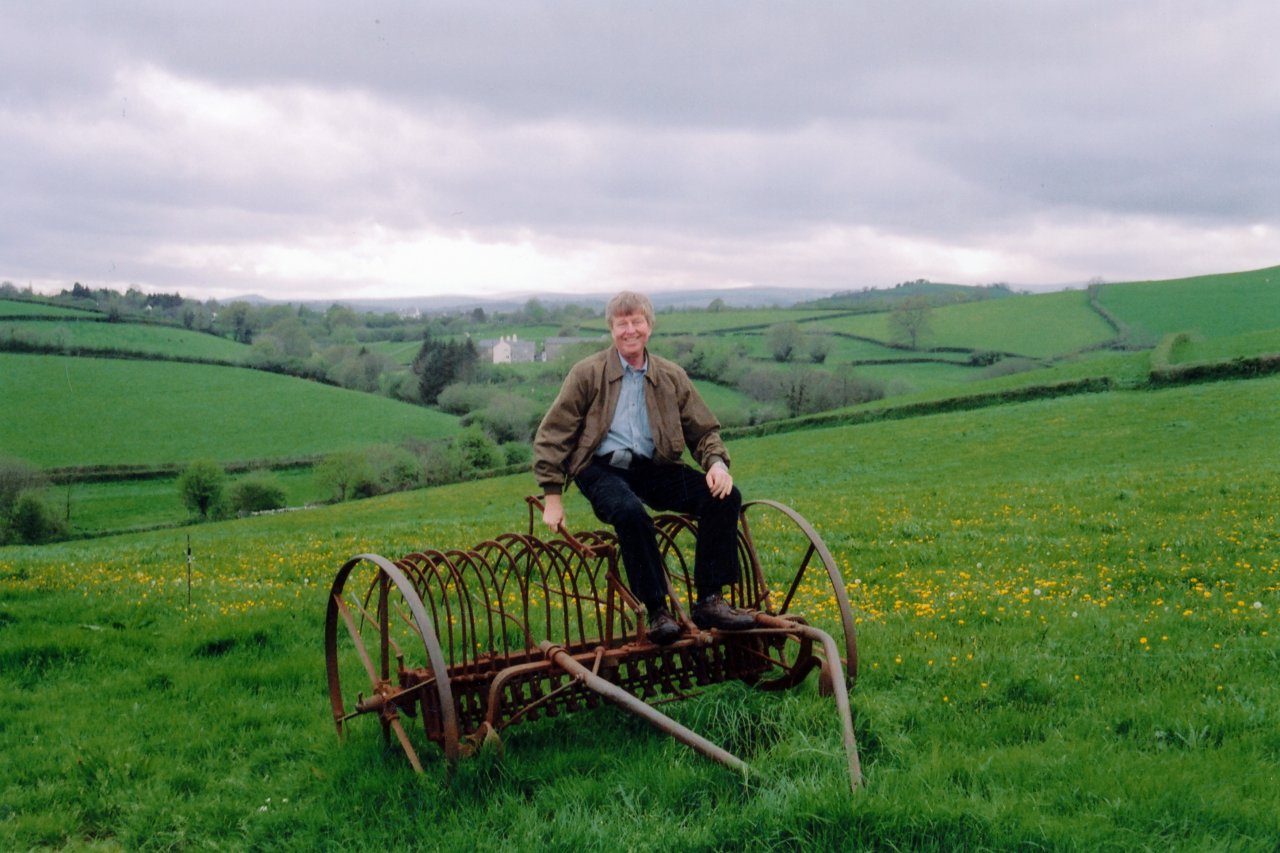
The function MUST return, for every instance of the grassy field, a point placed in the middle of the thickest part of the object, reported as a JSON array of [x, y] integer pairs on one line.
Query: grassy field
[[62, 411], [1198, 349], [127, 337], [17, 308], [1040, 325], [1213, 306], [123, 505], [712, 322], [1068, 641]]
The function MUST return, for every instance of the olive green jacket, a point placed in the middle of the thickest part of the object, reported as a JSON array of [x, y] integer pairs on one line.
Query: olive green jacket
[[579, 419]]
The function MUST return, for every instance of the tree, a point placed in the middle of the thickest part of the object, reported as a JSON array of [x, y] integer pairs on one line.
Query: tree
[[345, 474], [202, 486], [819, 347], [535, 311], [910, 320], [441, 363], [784, 340]]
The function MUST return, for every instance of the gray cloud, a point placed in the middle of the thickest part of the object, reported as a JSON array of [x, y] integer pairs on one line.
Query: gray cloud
[[310, 149]]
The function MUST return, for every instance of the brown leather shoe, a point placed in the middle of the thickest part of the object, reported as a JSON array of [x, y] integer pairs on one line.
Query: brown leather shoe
[[714, 612], [662, 628]]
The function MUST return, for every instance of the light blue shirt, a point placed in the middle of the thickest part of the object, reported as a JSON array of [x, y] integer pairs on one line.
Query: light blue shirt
[[630, 427]]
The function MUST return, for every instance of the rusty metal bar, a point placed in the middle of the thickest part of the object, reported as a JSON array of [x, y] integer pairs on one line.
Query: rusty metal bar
[[648, 713]]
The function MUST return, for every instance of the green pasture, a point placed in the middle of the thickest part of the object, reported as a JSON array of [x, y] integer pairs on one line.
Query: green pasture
[[1040, 325], [400, 352], [910, 380], [126, 337], [62, 411], [1212, 306], [1198, 349], [847, 349], [524, 331], [1067, 635], [719, 322], [119, 505], [19, 308]]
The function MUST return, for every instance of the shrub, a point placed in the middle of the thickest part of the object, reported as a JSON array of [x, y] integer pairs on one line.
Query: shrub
[[202, 486], [509, 417], [461, 398], [441, 463], [394, 469], [34, 521], [517, 453], [258, 491], [479, 451]]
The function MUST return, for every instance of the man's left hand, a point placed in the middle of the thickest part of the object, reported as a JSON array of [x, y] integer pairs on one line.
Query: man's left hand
[[719, 480]]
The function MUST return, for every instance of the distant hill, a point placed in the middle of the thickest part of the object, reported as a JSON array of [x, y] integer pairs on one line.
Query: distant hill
[[735, 297], [883, 298]]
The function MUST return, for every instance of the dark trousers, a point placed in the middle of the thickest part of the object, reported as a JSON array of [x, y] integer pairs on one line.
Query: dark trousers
[[618, 497]]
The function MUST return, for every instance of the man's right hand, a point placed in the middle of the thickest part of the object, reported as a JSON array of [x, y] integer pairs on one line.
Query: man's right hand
[[553, 512]]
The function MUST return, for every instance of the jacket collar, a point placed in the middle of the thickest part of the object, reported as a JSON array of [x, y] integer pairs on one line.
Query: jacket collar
[[613, 365]]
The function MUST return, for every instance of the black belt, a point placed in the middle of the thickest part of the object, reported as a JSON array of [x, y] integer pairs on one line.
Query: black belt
[[623, 460]]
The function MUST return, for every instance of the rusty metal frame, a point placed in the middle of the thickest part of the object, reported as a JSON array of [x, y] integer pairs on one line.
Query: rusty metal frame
[[518, 627]]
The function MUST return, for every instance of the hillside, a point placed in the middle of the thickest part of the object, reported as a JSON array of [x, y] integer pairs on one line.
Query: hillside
[[134, 338], [63, 411], [1210, 306]]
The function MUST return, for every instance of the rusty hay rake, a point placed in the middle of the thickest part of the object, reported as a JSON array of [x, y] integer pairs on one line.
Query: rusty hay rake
[[472, 641]]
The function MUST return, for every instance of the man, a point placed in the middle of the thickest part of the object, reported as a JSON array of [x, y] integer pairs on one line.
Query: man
[[618, 428]]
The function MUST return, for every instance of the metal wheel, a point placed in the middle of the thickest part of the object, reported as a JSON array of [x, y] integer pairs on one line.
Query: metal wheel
[[379, 637], [796, 576]]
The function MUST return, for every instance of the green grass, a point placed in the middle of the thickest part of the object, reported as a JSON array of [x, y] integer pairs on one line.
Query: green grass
[[1198, 349], [128, 337], [1040, 325], [1213, 306], [120, 505], [709, 322], [400, 352], [1068, 640], [61, 411], [19, 308]]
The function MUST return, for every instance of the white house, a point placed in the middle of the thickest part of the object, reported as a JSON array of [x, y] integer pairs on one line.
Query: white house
[[506, 350]]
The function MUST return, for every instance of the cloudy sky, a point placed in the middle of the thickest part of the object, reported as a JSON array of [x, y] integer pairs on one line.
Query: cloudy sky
[[326, 149]]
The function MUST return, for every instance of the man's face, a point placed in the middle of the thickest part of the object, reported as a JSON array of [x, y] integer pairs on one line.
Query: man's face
[[630, 334]]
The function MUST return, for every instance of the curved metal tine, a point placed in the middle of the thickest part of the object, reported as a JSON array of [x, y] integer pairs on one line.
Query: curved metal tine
[[669, 527], [511, 560], [748, 557], [492, 562], [470, 570], [436, 565], [361, 651], [365, 614]]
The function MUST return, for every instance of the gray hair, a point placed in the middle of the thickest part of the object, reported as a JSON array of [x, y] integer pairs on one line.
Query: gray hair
[[629, 302]]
